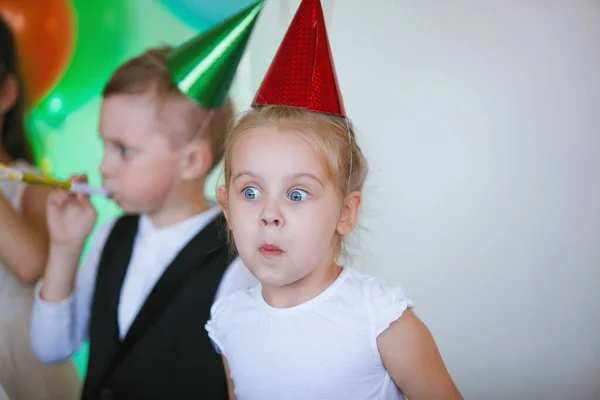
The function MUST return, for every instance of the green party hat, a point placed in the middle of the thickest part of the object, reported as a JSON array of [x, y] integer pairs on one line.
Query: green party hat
[[204, 67]]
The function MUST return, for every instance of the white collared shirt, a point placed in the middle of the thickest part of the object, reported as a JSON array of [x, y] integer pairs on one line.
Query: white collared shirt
[[59, 329]]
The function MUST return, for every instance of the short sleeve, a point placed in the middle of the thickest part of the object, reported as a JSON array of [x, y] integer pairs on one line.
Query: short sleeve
[[214, 326], [229, 316], [387, 302]]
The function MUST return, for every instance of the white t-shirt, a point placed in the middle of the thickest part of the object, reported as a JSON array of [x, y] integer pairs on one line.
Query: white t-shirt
[[325, 348]]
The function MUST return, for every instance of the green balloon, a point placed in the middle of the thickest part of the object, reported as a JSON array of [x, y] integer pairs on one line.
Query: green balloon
[[100, 47]]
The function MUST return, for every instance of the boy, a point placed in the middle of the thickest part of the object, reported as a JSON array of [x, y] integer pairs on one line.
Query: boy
[[146, 287]]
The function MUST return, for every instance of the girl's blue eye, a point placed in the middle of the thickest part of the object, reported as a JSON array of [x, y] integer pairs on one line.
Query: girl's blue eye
[[252, 193], [298, 195]]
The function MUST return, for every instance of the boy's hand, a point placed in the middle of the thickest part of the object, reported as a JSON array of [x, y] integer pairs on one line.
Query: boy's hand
[[71, 217]]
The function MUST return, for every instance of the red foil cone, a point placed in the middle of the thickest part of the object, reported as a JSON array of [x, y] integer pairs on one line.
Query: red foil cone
[[302, 75]]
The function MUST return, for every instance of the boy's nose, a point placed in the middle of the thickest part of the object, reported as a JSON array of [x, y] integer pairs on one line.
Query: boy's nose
[[106, 170]]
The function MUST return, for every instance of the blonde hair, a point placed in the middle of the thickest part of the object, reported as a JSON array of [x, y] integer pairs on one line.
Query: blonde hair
[[330, 136], [183, 117]]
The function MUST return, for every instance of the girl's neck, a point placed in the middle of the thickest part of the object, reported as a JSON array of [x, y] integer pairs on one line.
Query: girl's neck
[[4, 157], [302, 290]]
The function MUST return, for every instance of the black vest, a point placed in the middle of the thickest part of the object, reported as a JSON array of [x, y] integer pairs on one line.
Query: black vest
[[166, 354]]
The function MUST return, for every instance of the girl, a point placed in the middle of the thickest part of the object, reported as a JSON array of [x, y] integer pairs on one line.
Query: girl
[[23, 247], [313, 329], [294, 174]]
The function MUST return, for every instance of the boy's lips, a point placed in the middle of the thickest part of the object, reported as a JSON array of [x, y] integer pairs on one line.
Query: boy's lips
[[111, 194], [270, 250]]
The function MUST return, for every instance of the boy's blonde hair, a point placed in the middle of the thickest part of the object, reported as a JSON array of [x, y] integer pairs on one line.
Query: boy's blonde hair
[[331, 136], [181, 117]]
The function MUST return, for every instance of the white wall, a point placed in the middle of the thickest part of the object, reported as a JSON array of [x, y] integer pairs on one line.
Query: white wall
[[481, 120]]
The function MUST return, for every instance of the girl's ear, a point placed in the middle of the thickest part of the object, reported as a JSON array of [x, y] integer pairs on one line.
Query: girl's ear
[[9, 93], [222, 198], [349, 213]]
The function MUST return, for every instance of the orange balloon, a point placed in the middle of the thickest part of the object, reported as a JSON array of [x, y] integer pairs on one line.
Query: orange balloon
[[45, 31]]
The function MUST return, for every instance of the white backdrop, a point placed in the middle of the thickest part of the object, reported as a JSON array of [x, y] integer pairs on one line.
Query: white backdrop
[[481, 121]]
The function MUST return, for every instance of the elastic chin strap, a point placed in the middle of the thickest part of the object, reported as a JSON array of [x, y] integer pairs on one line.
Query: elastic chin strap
[[205, 122], [350, 144], [203, 126]]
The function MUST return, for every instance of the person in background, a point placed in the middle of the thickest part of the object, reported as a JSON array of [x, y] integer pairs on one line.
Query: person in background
[[150, 277], [23, 250]]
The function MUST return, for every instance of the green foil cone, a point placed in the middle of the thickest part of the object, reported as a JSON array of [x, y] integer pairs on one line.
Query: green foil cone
[[204, 67]]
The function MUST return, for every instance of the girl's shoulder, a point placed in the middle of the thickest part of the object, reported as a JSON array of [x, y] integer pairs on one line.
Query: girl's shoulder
[[385, 301], [14, 190], [236, 302], [373, 289], [231, 312], [24, 166]]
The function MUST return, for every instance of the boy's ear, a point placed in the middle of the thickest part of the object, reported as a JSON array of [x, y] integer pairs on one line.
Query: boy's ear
[[222, 198], [195, 161], [349, 213]]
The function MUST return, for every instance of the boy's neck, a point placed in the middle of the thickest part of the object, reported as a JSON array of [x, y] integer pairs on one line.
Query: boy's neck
[[173, 214]]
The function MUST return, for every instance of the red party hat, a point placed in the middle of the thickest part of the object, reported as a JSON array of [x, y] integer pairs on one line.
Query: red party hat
[[302, 75]]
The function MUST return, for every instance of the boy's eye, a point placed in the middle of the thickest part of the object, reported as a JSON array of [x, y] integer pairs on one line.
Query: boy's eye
[[125, 152], [298, 195], [252, 193]]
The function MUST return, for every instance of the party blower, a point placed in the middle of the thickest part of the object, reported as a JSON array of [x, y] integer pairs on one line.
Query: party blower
[[13, 174]]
